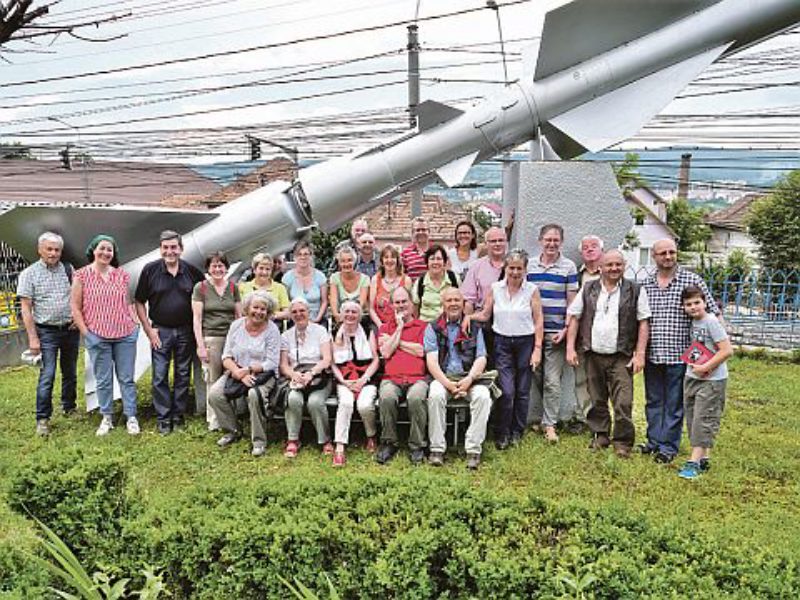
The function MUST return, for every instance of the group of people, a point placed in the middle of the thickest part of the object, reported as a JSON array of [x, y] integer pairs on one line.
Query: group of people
[[423, 327]]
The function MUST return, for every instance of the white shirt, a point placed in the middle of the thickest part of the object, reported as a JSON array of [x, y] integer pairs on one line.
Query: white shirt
[[512, 315], [458, 266], [310, 349], [605, 328]]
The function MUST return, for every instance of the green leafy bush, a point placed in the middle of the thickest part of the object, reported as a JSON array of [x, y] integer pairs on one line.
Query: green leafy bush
[[83, 498], [415, 536]]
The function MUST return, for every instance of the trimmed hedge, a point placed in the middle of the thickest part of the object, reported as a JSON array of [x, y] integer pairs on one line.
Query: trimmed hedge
[[417, 537]]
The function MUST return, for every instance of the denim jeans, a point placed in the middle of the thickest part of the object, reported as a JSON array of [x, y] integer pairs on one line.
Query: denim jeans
[[109, 356], [177, 346], [67, 343], [512, 355], [663, 386]]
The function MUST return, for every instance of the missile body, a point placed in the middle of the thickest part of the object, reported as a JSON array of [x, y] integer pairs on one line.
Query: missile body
[[603, 69]]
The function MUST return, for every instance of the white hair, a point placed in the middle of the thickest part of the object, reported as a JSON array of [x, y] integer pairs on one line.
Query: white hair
[[259, 296], [589, 237], [49, 236], [299, 300]]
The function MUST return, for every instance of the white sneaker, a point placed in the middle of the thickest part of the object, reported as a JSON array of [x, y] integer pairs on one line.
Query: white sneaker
[[106, 425], [132, 425]]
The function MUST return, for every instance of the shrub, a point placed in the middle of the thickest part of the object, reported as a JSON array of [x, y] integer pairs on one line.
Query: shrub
[[415, 536], [82, 498]]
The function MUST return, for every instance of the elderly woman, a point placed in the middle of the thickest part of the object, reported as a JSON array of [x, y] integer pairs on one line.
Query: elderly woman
[[215, 305], [103, 312], [347, 284], [427, 290], [465, 251], [518, 325], [304, 281], [355, 362], [263, 267], [250, 359], [305, 359]]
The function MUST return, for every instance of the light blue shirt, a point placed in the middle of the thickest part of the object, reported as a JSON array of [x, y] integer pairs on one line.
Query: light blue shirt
[[455, 364]]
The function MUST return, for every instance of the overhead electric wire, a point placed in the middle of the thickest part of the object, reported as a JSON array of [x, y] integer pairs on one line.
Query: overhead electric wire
[[221, 53]]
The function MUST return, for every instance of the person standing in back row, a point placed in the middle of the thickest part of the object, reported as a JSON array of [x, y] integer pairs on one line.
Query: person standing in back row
[[557, 279], [165, 286]]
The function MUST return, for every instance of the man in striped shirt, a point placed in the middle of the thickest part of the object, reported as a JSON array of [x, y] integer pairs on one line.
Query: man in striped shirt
[[557, 279], [413, 256]]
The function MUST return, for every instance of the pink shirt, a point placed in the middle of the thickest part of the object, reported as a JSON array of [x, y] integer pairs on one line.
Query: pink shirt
[[106, 307], [478, 281]]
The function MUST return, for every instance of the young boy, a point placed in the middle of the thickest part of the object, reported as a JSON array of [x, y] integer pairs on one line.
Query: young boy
[[704, 385]]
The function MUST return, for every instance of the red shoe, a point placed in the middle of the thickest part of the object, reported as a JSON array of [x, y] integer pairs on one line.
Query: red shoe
[[291, 449], [339, 459], [372, 445], [327, 448]]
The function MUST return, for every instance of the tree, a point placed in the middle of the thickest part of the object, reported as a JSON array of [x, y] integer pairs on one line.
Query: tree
[[15, 151], [17, 19], [627, 173], [774, 223], [688, 224]]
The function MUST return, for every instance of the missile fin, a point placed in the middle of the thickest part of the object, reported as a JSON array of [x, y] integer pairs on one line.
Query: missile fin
[[456, 171], [583, 29], [130, 225], [431, 113], [621, 113], [556, 144]]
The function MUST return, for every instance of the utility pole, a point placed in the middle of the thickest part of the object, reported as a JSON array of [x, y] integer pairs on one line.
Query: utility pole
[[66, 159], [413, 103]]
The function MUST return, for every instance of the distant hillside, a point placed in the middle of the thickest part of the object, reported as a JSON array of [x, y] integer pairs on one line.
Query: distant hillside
[[756, 169]]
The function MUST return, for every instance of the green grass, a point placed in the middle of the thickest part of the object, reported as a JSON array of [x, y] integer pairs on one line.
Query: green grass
[[750, 500]]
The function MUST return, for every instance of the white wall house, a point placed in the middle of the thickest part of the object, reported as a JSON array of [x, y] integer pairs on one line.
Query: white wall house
[[729, 230], [653, 226]]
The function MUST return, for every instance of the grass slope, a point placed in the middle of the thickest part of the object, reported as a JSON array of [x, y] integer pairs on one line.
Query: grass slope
[[750, 499]]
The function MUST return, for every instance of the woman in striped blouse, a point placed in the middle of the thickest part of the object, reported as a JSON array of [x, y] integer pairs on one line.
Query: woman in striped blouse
[[102, 310]]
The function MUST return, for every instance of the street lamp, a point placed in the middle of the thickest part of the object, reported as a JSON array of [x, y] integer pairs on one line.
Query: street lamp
[[87, 195]]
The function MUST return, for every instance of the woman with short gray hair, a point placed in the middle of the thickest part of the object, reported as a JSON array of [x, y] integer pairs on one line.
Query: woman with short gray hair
[[305, 359], [250, 358], [347, 284]]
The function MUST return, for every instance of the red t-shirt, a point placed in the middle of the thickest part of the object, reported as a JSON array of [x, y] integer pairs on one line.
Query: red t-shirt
[[413, 261], [403, 368]]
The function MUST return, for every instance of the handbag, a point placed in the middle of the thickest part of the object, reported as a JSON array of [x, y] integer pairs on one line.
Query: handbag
[[234, 388], [318, 382]]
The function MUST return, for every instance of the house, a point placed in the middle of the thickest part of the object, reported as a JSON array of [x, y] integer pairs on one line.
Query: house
[[132, 183], [729, 229], [274, 169], [649, 212]]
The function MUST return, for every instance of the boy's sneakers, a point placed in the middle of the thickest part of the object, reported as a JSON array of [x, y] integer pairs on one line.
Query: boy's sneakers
[[132, 425], [690, 470], [106, 425]]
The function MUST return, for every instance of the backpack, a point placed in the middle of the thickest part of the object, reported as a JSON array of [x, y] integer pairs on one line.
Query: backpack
[[204, 288], [452, 277]]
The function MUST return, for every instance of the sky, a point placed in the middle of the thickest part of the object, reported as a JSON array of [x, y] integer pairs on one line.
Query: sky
[[289, 90]]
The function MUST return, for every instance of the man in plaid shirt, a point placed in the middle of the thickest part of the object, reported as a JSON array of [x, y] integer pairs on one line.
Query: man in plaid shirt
[[670, 329]]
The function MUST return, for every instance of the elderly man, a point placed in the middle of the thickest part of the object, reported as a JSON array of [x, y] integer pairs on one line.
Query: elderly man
[[413, 256], [367, 262], [358, 228], [670, 335], [44, 292], [165, 286], [401, 346], [557, 279], [591, 248], [455, 360], [485, 271], [608, 319]]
